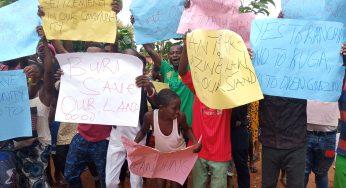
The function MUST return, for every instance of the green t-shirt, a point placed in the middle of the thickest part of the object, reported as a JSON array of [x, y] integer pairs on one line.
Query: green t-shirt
[[172, 78]]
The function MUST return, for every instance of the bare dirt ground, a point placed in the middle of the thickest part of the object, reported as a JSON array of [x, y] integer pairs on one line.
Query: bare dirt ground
[[232, 181], [88, 181]]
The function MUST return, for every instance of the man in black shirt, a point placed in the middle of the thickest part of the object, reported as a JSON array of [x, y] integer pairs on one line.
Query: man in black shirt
[[283, 125]]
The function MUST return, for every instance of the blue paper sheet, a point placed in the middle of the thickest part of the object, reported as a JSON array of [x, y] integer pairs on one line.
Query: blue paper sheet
[[322, 10], [297, 58], [15, 118], [18, 35], [156, 20]]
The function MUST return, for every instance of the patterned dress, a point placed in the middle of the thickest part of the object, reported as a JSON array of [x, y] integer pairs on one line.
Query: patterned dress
[[254, 122]]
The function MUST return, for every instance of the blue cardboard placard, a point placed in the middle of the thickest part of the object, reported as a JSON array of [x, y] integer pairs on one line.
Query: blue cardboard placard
[[156, 20], [18, 35], [322, 10], [298, 58], [15, 118]]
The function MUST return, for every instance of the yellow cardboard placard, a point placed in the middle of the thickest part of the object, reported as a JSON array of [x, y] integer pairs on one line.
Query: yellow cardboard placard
[[221, 68], [158, 87], [83, 20]]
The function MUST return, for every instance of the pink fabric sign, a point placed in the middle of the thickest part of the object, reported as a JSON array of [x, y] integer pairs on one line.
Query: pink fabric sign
[[215, 15], [151, 163]]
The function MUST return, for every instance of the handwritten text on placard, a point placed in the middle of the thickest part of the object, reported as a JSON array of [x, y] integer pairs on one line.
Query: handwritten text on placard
[[99, 88], [156, 20], [221, 68], [14, 105], [214, 15], [322, 10], [79, 20], [149, 162], [298, 59]]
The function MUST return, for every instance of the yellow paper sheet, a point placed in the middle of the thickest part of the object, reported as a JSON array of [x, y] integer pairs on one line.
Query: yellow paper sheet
[[159, 86], [84, 20], [221, 69]]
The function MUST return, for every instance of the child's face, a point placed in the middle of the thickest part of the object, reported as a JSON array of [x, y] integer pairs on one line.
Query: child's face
[[173, 108]]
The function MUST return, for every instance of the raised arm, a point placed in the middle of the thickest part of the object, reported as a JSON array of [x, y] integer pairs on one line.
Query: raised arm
[[117, 5], [154, 56], [184, 62], [145, 127], [56, 43], [48, 79], [184, 69]]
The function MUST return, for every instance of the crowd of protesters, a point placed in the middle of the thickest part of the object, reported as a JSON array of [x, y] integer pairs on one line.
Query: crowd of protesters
[[297, 136]]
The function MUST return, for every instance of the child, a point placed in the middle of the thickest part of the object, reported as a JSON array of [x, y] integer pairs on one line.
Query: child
[[168, 124]]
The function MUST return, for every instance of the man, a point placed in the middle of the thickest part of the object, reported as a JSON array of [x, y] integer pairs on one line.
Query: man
[[169, 71], [88, 146], [323, 118], [283, 135], [283, 123]]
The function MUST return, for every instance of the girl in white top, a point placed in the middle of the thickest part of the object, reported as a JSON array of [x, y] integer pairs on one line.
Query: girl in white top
[[169, 124]]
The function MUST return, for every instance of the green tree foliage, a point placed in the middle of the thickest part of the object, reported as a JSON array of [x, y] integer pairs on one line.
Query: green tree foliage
[[256, 6], [125, 36]]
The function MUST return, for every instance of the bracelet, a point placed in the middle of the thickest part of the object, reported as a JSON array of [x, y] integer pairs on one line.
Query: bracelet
[[153, 90]]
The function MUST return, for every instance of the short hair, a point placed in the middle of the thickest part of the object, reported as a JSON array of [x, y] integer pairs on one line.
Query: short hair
[[165, 96], [177, 45]]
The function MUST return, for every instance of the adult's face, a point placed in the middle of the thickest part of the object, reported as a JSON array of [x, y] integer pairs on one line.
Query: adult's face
[[174, 55]]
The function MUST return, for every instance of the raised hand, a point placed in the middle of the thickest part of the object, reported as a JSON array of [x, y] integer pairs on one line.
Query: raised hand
[[116, 6]]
